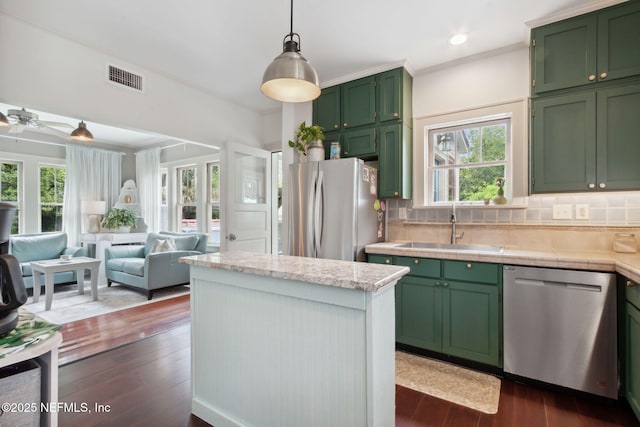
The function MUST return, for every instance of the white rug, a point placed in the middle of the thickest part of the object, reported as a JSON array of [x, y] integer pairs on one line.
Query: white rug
[[461, 386], [68, 305]]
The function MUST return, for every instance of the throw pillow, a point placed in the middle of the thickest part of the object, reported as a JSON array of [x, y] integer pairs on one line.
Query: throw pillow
[[163, 245]]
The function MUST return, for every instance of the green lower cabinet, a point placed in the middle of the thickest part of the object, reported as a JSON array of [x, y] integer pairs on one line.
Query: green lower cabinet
[[450, 307], [418, 313], [470, 326], [632, 383]]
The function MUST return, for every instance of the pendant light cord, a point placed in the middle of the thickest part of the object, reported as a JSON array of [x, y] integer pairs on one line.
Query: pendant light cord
[[291, 30]]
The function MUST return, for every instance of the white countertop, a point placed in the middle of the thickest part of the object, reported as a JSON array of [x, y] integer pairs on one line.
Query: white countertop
[[344, 274], [623, 263]]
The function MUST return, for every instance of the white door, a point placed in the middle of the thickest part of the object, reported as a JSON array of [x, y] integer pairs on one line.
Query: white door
[[246, 199]]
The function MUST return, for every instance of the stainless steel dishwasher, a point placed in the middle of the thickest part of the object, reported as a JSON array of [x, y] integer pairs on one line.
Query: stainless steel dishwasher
[[560, 328]]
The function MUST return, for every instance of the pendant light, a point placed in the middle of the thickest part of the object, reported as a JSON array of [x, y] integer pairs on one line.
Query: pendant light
[[290, 77], [82, 133], [3, 120]]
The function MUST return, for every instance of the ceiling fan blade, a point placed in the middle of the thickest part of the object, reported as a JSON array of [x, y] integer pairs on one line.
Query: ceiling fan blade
[[16, 128], [55, 124], [52, 131]]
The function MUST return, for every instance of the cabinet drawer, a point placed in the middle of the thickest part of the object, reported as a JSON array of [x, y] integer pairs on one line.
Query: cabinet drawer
[[380, 259], [424, 267], [632, 292], [469, 271]]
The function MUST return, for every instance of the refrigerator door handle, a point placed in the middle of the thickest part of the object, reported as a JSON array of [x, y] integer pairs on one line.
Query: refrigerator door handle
[[318, 214]]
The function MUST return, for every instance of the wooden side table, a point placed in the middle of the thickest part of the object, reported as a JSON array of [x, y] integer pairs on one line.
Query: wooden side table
[[49, 267]]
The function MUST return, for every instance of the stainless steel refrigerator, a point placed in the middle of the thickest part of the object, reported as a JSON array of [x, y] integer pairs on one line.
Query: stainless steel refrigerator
[[334, 211]]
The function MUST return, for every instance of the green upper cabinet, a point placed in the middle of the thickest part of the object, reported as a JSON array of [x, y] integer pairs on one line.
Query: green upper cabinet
[[590, 48], [394, 95], [394, 161], [358, 102], [326, 109], [618, 35], [586, 140], [360, 142]]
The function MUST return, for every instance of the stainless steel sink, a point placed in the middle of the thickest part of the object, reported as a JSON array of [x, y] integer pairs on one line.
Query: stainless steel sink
[[452, 247]]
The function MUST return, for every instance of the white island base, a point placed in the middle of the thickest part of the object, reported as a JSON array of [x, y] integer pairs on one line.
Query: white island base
[[269, 351]]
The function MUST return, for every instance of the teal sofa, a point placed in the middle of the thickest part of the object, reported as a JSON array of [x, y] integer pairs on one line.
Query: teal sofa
[[42, 246], [140, 268]]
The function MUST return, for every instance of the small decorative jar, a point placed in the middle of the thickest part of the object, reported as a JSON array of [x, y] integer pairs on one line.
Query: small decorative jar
[[315, 151]]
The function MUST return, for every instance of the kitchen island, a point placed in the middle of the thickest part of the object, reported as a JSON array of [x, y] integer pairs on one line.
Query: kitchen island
[[281, 340]]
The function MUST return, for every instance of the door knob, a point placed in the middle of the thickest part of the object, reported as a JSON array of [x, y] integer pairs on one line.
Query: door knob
[[592, 77], [630, 283], [592, 185], [231, 237], [603, 75], [602, 185]]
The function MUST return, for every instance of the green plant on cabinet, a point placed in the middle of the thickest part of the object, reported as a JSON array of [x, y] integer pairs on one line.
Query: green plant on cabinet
[[117, 218], [304, 136]]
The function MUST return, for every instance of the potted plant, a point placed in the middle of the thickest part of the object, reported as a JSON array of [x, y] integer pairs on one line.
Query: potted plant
[[119, 220], [309, 137]]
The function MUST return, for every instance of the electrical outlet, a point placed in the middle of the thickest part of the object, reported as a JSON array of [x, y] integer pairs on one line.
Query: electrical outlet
[[562, 212], [582, 211], [402, 213]]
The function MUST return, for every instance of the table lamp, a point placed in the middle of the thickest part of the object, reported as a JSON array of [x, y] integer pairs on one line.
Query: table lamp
[[94, 208]]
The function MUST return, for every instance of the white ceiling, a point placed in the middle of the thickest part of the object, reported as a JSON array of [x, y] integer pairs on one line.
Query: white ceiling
[[224, 46]]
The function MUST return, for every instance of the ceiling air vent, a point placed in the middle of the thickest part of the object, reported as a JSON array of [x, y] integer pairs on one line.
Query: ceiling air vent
[[125, 78]]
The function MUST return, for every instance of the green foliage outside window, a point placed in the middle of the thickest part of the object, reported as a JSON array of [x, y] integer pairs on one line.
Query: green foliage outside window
[[9, 190], [52, 180]]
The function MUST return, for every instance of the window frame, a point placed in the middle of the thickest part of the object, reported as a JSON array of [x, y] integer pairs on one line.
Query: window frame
[[19, 203], [517, 183], [211, 202], [40, 203], [431, 167], [179, 203]]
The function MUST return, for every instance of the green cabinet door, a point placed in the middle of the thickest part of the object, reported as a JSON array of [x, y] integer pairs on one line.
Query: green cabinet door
[[563, 154], [618, 137], [326, 109], [418, 313], [563, 54], [394, 161], [470, 321], [394, 95], [618, 35], [632, 356], [360, 142], [358, 102]]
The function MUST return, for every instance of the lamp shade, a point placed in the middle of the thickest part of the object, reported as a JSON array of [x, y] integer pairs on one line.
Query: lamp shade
[[290, 77], [82, 133], [3, 120], [93, 207]]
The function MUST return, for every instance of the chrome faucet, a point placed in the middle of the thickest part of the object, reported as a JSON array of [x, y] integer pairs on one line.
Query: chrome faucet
[[454, 236]]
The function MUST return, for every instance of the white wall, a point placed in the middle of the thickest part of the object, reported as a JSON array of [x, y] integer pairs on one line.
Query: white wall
[[46, 72]]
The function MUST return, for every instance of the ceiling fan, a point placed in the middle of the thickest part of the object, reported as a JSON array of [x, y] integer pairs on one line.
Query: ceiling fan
[[21, 120]]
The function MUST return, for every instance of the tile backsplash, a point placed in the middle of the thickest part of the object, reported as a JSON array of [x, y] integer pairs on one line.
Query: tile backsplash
[[612, 210]]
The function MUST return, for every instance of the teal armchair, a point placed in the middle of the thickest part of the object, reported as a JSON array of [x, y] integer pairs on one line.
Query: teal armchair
[[139, 267]]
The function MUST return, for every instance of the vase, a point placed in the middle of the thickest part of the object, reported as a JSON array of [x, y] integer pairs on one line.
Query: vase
[[124, 229], [500, 199], [315, 151]]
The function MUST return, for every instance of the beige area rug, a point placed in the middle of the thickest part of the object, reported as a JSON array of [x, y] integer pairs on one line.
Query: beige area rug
[[68, 305], [445, 381]]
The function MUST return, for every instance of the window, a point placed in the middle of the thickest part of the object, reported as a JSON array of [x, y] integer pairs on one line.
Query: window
[[466, 160], [11, 189], [213, 202], [187, 199], [52, 179], [164, 199]]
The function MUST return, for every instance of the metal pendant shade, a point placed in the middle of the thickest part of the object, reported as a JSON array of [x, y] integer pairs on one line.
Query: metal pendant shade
[[3, 120], [290, 77], [82, 133]]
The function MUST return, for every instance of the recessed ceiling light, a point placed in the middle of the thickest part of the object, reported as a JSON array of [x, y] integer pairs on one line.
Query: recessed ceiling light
[[458, 39]]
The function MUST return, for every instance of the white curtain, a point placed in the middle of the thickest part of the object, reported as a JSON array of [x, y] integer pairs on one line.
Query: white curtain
[[148, 179], [92, 174]]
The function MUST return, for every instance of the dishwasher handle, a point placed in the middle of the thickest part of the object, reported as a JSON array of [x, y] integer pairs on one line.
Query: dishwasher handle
[[576, 286]]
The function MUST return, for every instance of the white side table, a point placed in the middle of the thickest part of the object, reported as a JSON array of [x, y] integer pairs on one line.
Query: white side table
[[49, 267], [46, 354], [104, 240]]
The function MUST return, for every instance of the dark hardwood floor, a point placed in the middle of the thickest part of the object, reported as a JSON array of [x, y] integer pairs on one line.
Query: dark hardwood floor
[[148, 383]]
